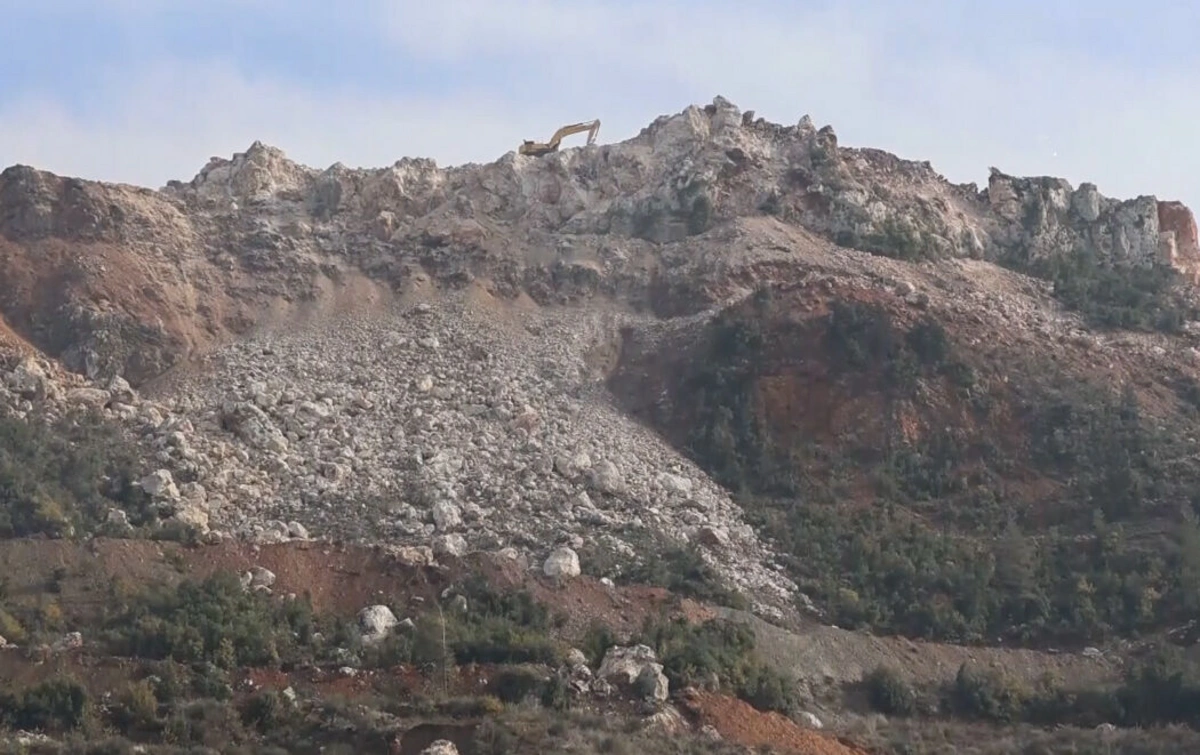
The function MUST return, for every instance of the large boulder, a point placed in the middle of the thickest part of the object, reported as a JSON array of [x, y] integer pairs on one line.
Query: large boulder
[[376, 622], [635, 669], [563, 563]]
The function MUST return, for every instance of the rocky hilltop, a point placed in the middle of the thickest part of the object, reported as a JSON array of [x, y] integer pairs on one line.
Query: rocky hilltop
[[444, 357], [122, 280]]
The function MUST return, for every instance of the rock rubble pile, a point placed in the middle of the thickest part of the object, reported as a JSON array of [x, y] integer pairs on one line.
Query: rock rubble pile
[[431, 427]]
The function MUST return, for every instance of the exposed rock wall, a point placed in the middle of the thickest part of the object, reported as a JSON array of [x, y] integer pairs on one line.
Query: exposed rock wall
[[1180, 243]]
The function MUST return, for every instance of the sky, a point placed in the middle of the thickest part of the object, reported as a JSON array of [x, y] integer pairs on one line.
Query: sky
[[145, 91]]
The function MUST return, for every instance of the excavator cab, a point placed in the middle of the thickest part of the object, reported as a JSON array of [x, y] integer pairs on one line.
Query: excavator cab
[[537, 149]]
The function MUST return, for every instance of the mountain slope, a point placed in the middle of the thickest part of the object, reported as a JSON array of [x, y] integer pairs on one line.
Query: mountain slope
[[727, 357]]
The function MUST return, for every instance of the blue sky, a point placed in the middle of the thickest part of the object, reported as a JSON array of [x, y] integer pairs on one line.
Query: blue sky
[[144, 91]]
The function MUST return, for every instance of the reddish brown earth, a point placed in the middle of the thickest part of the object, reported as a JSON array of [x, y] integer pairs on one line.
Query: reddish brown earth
[[800, 399], [336, 578], [738, 722]]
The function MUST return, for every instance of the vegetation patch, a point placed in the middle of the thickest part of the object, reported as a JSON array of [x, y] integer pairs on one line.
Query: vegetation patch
[[217, 621], [1160, 689], [60, 479], [1129, 298], [675, 566], [696, 654], [950, 545], [893, 238], [59, 704]]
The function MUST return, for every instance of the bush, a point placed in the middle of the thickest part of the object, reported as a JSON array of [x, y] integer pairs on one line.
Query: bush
[[491, 639], [556, 694], [205, 723], [597, 640], [514, 685], [987, 693], [10, 628], [264, 710], [894, 238], [496, 628], [1163, 687], [214, 621], [137, 707], [692, 654], [500, 628], [888, 692], [59, 704]]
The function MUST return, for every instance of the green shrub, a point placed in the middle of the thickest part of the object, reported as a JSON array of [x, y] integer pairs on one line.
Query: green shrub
[[928, 340], [500, 628], [205, 723], [1136, 298], [556, 693], [988, 694], [215, 621], [58, 704], [682, 570], [860, 336], [888, 692], [513, 685], [893, 238], [60, 478], [264, 710], [692, 654], [137, 707], [491, 639], [1163, 687], [597, 640], [10, 628]]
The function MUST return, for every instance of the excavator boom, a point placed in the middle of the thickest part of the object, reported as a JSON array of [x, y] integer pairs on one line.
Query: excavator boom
[[536, 149]]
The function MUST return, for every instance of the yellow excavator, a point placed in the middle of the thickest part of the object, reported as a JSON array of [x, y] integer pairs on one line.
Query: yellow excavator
[[537, 149]]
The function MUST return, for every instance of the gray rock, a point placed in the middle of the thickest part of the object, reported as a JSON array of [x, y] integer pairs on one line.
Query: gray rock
[[160, 485], [118, 519], [260, 577], [447, 516], [562, 563], [453, 544], [607, 478], [576, 658], [376, 622], [635, 668]]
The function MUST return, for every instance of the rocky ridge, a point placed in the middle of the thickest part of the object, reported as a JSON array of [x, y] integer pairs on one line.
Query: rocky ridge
[[143, 279]]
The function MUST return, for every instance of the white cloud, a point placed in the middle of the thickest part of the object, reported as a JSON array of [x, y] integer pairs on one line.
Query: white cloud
[[523, 67]]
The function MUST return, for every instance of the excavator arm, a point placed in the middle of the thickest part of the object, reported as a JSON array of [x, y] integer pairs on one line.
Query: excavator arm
[[536, 149]]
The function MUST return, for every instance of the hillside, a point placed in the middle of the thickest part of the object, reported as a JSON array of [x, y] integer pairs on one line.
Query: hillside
[[727, 370]]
